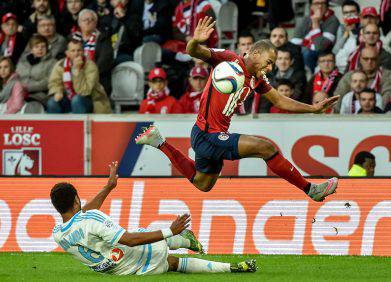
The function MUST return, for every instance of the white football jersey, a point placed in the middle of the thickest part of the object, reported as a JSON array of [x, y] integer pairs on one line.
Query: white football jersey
[[92, 237]]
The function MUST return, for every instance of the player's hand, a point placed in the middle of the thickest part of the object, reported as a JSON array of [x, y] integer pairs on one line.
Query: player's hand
[[180, 224], [326, 104], [113, 177], [204, 29]]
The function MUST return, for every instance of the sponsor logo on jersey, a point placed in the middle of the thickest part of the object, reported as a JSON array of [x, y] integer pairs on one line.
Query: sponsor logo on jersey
[[117, 254], [103, 267], [109, 224], [223, 136]]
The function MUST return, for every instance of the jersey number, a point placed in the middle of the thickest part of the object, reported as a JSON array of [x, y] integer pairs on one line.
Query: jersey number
[[90, 255], [233, 101]]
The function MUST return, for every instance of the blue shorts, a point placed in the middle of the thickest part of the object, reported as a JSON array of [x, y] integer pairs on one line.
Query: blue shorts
[[212, 148]]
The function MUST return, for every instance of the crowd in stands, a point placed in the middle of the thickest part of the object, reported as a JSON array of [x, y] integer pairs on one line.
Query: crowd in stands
[[61, 53]]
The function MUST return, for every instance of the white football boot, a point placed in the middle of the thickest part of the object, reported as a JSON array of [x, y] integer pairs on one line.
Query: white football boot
[[320, 191], [150, 136]]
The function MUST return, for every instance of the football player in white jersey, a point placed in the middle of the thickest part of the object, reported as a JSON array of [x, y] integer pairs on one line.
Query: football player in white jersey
[[104, 246]]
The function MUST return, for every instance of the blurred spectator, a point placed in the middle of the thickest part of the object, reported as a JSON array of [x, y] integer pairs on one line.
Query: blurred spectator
[[347, 34], [190, 101], [319, 97], [57, 44], [325, 80], [364, 165], [20, 8], [127, 31], [41, 8], [34, 68], [369, 16], [279, 38], [105, 15], [74, 84], [187, 14], [12, 92], [245, 42], [12, 42], [370, 38], [367, 99], [158, 99], [284, 87], [284, 70], [379, 79], [69, 17], [350, 102], [156, 19], [316, 33], [97, 46]]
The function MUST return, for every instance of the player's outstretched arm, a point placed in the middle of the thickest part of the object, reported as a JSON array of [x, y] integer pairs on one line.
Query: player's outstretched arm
[[288, 104], [141, 238], [98, 200], [201, 34]]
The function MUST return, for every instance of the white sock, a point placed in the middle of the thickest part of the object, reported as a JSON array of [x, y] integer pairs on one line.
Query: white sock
[[177, 242], [194, 265]]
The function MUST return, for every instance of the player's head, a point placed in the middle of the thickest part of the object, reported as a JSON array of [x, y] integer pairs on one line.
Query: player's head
[[367, 161], [157, 79], [64, 198], [285, 87], [261, 58]]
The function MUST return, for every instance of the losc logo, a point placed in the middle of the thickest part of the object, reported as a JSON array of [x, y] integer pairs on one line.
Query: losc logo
[[24, 161], [22, 136]]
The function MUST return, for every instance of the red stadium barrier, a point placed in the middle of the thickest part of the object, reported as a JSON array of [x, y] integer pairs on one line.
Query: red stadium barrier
[[247, 215]]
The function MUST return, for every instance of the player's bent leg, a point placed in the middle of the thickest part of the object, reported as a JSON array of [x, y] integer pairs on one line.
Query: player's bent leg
[[152, 137], [195, 265], [251, 146], [205, 181]]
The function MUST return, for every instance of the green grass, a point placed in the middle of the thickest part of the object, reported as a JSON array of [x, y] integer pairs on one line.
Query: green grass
[[62, 267]]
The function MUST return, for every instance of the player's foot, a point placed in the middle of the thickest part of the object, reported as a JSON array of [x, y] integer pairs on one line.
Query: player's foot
[[150, 136], [195, 245], [320, 191], [249, 265]]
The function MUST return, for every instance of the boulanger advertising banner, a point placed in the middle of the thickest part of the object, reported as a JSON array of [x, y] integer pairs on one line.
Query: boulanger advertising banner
[[317, 145], [247, 215], [35, 147]]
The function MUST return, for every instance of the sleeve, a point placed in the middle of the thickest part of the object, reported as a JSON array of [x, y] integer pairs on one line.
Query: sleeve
[[220, 55], [103, 227], [299, 32], [327, 37], [55, 84], [16, 101], [263, 86], [342, 89], [85, 81]]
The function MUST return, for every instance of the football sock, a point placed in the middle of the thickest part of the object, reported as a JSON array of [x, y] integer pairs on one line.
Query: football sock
[[283, 168], [185, 165], [194, 265], [177, 242]]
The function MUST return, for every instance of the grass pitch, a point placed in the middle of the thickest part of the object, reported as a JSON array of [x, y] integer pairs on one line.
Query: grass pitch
[[62, 267]]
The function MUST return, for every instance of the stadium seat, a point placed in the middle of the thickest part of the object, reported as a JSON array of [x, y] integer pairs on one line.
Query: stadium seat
[[227, 25], [32, 107], [147, 55], [216, 5], [128, 85]]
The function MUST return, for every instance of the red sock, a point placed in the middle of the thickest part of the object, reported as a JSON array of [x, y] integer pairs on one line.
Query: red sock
[[182, 163], [283, 168]]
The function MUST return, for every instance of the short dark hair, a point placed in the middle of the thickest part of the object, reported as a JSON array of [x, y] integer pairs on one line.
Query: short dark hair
[[285, 50], [37, 39], [284, 81], [327, 2], [246, 33], [263, 45], [361, 156], [326, 53], [368, 90], [351, 3], [63, 196]]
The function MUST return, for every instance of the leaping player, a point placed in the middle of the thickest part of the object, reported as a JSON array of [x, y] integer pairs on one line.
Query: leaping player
[[210, 139], [101, 244]]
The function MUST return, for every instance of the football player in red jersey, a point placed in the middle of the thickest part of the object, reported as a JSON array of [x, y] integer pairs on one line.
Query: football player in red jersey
[[210, 138]]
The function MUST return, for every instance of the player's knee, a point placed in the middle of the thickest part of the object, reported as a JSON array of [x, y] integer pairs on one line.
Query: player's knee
[[205, 187], [266, 149]]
